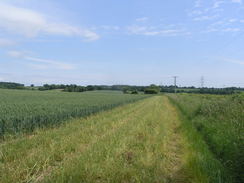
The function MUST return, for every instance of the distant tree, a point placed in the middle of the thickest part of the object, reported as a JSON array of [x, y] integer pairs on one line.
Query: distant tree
[[126, 90], [152, 89], [10, 85], [90, 88], [134, 92]]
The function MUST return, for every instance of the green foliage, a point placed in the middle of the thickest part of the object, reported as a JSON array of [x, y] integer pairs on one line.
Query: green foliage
[[52, 87], [152, 89], [90, 88], [9, 85], [134, 92], [220, 121], [124, 88], [24, 111], [192, 89], [74, 88], [130, 90]]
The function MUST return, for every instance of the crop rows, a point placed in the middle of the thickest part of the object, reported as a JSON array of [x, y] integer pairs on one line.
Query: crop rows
[[24, 111]]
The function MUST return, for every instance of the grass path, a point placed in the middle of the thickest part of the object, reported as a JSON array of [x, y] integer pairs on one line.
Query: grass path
[[139, 142]]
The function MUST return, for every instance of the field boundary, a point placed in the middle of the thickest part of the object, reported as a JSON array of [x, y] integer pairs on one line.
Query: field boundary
[[202, 159]]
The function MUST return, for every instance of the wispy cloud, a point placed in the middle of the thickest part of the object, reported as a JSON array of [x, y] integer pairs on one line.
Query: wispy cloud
[[202, 18], [198, 3], [110, 27], [16, 54], [142, 19], [239, 62], [227, 25], [231, 30], [236, 1], [40, 63], [54, 64], [6, 42], [213, 15], [154, 31], [232, 20], [217, 4], [222, 30], [31, 23]]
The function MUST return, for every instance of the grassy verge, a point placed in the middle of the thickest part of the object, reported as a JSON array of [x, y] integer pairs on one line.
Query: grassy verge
[[138, 142], [214, 126], [142, 150]]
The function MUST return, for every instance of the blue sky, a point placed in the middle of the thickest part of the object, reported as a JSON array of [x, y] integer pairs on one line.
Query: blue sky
[[122, 42]]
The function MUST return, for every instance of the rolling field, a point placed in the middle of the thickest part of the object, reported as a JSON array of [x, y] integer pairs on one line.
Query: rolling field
[[24, 111], [166, 138]]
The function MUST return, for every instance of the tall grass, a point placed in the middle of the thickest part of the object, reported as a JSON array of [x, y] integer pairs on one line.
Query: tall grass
[[24, 111], [220, 122], [131, 143]]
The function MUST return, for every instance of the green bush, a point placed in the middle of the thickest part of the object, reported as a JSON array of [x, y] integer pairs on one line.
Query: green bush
[[152, 89]]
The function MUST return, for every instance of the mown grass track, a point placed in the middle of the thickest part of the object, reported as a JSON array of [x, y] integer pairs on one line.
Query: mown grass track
[[139, 142]]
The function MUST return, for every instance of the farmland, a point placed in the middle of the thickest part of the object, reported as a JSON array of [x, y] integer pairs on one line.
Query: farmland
[[24, 111], [132, 143], [113, 137]]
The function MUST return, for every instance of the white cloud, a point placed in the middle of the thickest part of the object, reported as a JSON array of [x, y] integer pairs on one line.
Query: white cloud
[[233, 20], [6, 42], [198, 3], [219, 23], [31, 23], [209, 30], [231, 30], [203, 18], [142, 19], [153, 31], [40, 63], [222, 30], [227, 25], [236, 1], [16, 54], [239, 62], [55, 64], [110, 27], [195, 12], [217, 4]]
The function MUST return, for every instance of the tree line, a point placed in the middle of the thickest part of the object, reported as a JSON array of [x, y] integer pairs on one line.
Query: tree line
[[11, 85], [205, 90], [126, 89]]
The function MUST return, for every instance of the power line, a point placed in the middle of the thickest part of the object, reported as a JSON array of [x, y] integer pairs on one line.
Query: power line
[[202, 81], [175, 81]]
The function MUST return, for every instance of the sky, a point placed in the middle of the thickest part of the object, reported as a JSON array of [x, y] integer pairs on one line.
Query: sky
[[136, 42]]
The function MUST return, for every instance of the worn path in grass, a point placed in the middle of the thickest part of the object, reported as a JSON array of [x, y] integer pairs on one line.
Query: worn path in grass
[[139, 142]]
